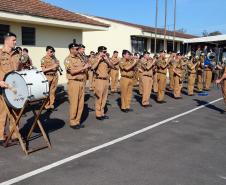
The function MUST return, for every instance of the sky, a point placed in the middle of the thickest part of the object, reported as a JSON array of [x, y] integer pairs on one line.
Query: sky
[[194, 16]]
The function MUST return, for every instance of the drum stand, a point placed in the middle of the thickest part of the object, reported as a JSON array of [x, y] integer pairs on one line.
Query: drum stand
[[16, 116]]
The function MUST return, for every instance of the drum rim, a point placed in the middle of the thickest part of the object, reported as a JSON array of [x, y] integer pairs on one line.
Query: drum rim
[[4, 94]]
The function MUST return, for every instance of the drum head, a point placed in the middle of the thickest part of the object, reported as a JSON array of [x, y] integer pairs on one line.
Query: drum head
[[17, 95]]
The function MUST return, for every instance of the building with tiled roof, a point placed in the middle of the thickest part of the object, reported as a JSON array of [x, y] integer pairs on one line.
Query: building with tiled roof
[[38, 24]]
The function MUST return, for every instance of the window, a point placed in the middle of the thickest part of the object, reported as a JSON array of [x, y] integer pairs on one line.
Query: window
[[28, 36], [139, 44], [3, 30], [152, 45], [159, 45], [169, 46]]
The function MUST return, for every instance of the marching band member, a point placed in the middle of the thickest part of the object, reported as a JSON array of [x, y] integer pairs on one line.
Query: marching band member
[[8, 63], [127, 68], [208, 71], [147, 78], [76, 75], [171, 73], [200, 67], [114, 72], [26, 61], [178, 76], [222, 80], [50, 66], [191, 66], [162, 65], [101, 66], [90, 72]]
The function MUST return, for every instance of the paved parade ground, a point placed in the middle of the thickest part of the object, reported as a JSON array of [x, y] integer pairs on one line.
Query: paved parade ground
[[181, 142]]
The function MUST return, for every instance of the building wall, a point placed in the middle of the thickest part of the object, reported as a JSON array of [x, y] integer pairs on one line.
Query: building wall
[[59, 38], [118, 37]]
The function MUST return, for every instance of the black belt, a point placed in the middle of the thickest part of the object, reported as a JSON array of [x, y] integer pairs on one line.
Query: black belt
[[101, 78], [78, 80], [191, 73], [162, 73], [50, 74], [130, 77], [148, 76]]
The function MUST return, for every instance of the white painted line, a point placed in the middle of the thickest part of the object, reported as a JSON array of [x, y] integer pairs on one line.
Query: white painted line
[[76, 156]]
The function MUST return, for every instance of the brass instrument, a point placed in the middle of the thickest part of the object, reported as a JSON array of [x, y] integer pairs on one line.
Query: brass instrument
[[59, 68]]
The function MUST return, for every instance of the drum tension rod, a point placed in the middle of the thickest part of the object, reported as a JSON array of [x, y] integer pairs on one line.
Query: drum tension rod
[[29, 83], [45, 81], [23, 74]]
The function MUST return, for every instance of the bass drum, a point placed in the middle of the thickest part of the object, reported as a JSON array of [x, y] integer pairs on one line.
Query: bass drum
[[25, 85]]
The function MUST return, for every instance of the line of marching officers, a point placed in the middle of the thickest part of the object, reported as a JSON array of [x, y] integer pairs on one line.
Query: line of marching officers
[[100, 69]]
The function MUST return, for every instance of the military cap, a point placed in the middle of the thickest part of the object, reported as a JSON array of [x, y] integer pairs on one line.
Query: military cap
[[179, 54], [25, 49], [50, 48], [146, 52], [136, 54], [72, 45], [125, 52], [101, 48], [9, 34], [162, 51], [81, 46], [18, 49], [92, 53]]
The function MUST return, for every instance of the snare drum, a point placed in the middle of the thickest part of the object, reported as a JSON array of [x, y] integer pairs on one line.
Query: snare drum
[[25, 85]]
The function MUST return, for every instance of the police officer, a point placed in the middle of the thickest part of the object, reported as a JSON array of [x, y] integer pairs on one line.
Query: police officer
[[222, 80], [178, 76], [101, 66], [147, 78], [155, 76], [162, 66], [114, 72], [26, 61], [127, 68], [76, 75], [200, 67], [8, 63], [50, 66], [191, 66], [90, 72], [171, 73], [208, 71]]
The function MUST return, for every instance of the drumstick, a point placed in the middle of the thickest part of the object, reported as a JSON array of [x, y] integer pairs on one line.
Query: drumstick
[[11, 88]]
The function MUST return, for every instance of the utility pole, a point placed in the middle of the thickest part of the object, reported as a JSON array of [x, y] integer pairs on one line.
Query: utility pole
[[165, 42], [156, 24], [175, 7]]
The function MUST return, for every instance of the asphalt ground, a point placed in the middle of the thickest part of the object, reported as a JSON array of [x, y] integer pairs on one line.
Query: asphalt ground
[[186, 150]]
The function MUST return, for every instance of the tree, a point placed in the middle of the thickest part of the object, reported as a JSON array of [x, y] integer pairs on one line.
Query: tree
[[182, 30], [206, 34], [215, 33]]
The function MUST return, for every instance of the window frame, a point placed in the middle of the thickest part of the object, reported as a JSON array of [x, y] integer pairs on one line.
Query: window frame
[[28, 42], [2, 32]]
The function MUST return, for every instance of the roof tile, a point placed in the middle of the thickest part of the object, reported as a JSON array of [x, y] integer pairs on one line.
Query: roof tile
[[42, 9]]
